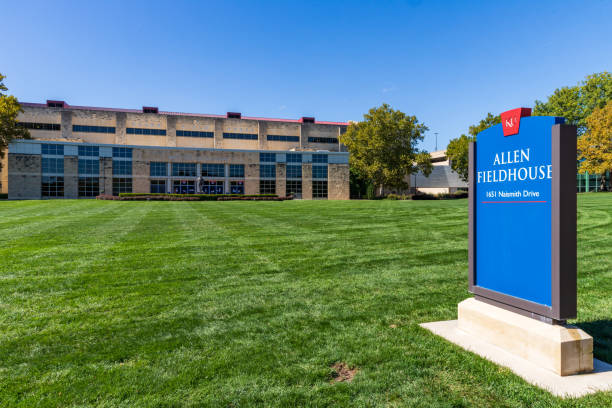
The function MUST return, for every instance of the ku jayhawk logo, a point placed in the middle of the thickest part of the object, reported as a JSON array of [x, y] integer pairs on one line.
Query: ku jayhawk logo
[[511, 120]]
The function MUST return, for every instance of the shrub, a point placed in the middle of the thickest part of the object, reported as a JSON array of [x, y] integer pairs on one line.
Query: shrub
[[441, 196], [192, 197], [394, 196], [3, 196]]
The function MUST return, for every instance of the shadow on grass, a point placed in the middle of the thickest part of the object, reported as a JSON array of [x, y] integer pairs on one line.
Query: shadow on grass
[[601, 330]]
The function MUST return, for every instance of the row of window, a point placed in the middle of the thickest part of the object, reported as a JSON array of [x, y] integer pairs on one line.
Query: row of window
[[194, 133], [40, 126], [243, 136], [53, 186], [322, 140], [189, 187], [93, 129], [160, 169], [283, 138], [93, 151], [142, 131]]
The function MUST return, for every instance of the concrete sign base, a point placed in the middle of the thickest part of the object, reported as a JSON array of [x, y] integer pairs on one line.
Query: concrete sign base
[[542, 354]]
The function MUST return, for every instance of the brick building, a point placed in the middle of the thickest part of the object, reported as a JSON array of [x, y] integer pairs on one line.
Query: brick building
[[80, 152]]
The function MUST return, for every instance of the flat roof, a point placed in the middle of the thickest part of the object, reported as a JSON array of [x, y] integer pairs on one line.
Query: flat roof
[[204, 115]]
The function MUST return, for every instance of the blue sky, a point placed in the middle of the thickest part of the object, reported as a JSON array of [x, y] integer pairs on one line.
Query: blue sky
[[448, 63]]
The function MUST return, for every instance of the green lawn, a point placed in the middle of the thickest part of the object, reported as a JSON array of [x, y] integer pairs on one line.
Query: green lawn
[[107, 303]]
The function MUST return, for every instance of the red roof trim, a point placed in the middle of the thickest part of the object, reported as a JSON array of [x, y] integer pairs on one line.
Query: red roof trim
[[204, 115]]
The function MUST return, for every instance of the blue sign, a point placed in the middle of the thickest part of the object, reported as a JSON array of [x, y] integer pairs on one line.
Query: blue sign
[[512, 206]]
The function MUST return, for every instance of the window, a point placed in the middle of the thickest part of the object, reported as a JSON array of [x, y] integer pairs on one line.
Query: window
[[211, 187], [194, 133], [52, 166], [319, 158], [319, 189], [122, 185], [267, 157], [122, 168], [158, 186], [236, 170], [183, 186], [122, 152], [294, 187], [322, 140], [237, 187], [319, 172], [141, 131], [93, 151], [184, 170], [90, 167], [267, 171], [267, 187], [89, 186], [294, 158], [93, 129], [283, 138], [294, 172], [53, 149], [39, 126], [213, 170], [52, 186], [159, 169], [244, 136]]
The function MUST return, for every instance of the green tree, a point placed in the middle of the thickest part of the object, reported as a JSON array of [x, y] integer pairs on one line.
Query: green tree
[[595, 146], [577, 103], [457, 149], [9, 127], [384, 148]]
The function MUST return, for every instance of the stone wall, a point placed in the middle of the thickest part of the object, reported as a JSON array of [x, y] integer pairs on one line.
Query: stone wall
[[338, 182], [24, 176]]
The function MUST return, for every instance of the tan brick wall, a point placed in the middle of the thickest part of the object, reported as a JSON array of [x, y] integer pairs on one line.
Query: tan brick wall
[[338, 182], [25, 177], [281, 179], [71, 177], [307, 181]]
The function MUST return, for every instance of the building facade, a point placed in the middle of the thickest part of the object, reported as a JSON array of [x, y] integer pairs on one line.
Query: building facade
[[81, 152]]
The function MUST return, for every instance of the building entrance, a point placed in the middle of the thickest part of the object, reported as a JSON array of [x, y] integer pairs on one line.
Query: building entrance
[[183, 187]]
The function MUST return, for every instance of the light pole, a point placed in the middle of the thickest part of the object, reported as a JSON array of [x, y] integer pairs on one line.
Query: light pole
[[436, 133]]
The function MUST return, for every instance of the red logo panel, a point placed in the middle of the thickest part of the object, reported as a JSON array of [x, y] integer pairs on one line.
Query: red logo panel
[[511, 120]]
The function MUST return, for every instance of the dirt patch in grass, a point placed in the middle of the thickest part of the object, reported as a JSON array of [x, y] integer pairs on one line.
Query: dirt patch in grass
[[342, 372]]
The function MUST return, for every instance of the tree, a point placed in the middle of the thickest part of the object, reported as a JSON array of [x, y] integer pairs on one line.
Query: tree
[[384, 149], [9, 127], [595, 146], [577, 103], [458, 148]]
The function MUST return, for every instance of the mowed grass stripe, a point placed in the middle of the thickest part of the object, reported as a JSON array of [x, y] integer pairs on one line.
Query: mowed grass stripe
[[249, 303]]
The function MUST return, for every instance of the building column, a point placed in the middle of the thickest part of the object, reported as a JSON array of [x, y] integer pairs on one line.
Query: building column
[[106, 175], [307, 181], [262, 131], [338, 182], [120, 125], [251, 178], [66, 128], [281, 179], [140, 177], [171, 131], [71, 177], [218, 133]]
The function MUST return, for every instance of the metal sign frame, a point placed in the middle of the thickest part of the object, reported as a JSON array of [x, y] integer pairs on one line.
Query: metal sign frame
[[563, 235]]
